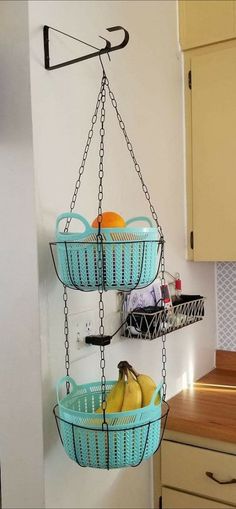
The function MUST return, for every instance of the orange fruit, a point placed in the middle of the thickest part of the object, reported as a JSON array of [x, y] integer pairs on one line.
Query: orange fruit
[[110, 220]]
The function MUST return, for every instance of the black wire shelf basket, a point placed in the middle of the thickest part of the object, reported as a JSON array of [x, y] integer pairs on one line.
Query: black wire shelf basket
[[126, 438], [151, 322]]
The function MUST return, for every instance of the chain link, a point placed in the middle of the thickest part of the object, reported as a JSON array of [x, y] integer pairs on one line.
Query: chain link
[[85, 154], [164, 358], [72, 205], [101, 99], [102, 358], [100, 248], [101, 153], [154, 215], [66, 333], [131, 151]]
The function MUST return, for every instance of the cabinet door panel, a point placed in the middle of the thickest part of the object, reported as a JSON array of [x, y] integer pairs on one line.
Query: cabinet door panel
[[214, 155], [172, 499], [206, 21], [184, 467]]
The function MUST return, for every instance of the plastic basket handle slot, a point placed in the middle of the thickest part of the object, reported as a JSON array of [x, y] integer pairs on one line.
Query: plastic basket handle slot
[[140, 218], [73, 215], [155, 394], [61, 382]]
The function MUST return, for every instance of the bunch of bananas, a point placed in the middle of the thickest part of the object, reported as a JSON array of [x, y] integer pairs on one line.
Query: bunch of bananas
[[131, 391]]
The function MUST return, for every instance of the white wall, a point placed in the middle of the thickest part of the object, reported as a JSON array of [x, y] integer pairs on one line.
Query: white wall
[[20, 375], [146, 77]]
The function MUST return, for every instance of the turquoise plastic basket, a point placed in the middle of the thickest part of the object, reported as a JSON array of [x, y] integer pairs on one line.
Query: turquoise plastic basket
[[130, 256], [130, 438]]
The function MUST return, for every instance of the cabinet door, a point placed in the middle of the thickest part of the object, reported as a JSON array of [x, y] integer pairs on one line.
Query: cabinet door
[[185, 468], [213, 105], [205, 22], [172, 499]]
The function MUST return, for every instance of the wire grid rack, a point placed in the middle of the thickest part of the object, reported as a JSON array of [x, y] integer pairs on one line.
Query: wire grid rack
[[112, 447], [126, 265], [150, 323]]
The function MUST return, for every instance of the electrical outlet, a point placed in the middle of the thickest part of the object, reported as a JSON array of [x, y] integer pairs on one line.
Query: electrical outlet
[[89, 327], [80, 341], [81, 325], [86, 323]]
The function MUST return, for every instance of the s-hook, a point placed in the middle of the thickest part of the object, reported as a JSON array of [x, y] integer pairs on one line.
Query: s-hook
[[108, 48]]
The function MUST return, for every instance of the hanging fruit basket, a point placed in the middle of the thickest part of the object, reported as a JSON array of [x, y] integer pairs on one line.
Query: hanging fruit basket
[[107, 258], [130, 255], [126, 440]]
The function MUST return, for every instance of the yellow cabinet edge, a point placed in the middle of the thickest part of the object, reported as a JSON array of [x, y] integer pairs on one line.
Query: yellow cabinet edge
[[189, 40], [188, 55]]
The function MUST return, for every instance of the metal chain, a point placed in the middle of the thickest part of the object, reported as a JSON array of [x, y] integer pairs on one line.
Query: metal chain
[[66, 333], [101, 153], [85, 154], [154, 215], [101, 101], [164, 358], [72, 205], [100, 247], [136, 164]]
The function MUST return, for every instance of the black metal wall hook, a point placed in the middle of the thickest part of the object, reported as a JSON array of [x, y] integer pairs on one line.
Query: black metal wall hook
[[107, 49]]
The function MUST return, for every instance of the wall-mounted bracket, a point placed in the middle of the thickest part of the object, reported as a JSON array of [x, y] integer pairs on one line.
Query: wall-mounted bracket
[[108, 48]]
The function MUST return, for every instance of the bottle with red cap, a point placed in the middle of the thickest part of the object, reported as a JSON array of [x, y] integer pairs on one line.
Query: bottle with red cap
[[166, 298], [178, 286]]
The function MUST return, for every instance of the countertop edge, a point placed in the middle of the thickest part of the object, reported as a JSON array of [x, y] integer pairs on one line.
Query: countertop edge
[[200, 441]]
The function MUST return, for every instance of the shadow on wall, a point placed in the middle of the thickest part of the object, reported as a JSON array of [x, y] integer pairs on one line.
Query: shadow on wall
[[124, 483], [50, 433], [46, 271]]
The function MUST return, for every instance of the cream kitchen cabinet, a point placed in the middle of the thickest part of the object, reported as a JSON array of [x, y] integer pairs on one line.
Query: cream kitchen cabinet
[[196, 465], [173, 499], [210, 108], [206, 22], [186, 472]]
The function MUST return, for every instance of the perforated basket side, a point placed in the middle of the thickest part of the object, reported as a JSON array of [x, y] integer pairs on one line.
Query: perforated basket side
[[126, 265], [97, 448], [125, 234], [79, 409]]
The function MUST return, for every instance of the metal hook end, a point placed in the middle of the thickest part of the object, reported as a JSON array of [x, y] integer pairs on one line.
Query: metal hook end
[[108, 44], [107, 47]]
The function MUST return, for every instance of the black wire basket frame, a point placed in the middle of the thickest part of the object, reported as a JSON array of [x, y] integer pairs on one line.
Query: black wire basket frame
[[110, 436], [75, 280]]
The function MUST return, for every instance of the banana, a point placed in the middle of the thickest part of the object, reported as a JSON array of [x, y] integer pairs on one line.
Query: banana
[[115, 396], [133, 394], [148, 387]]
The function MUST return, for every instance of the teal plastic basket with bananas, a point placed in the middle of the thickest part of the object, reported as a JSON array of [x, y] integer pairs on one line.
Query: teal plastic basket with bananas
[[128, 438]]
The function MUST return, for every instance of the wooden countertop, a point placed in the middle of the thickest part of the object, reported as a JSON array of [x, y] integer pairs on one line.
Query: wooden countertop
[[208, 409]]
